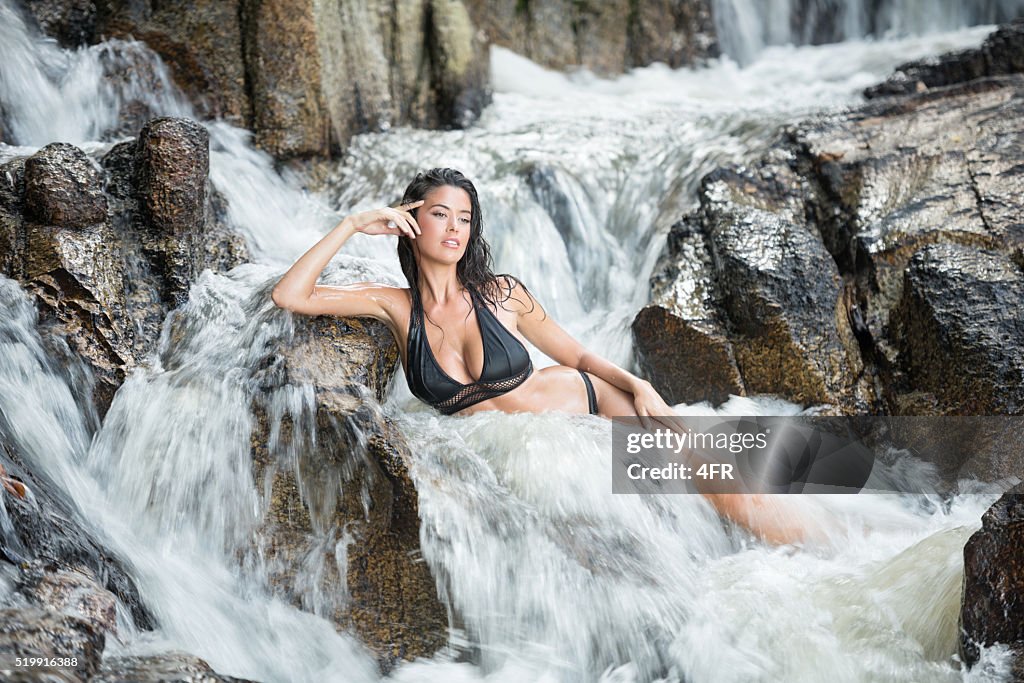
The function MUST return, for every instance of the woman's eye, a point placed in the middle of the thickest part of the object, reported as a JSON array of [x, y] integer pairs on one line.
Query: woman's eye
[[439, 214], [465, 220]]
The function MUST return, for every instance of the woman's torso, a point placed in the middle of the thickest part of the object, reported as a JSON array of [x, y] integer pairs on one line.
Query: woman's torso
[[457, 345]]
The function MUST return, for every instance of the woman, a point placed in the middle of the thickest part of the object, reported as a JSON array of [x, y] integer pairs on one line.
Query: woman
[[460, 328]]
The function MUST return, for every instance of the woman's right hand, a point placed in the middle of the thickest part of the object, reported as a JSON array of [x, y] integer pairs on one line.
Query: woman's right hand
[[388, 221]]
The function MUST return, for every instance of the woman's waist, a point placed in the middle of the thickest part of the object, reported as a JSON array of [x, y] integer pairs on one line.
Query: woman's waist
[[539, 392]]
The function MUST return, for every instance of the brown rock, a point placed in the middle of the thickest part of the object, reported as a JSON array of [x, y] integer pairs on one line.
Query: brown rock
[[993, 589], [33, 632], [341, 503], [199, 40], [672, 32], [167, 667], [681, 338], [173, 166], [282, 66], [62, 188], [959, 329]]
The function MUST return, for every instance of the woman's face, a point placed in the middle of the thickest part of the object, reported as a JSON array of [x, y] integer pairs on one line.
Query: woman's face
[[444, 219]]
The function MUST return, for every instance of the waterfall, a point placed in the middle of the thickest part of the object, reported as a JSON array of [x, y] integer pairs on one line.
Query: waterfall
[[746, 27], [550, 577]]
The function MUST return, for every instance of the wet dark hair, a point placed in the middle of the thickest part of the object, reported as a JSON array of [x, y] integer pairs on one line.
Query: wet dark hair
[[475, 269]]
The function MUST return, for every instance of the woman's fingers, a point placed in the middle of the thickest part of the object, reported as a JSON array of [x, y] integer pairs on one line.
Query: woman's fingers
[[400, 222], [412, 221]]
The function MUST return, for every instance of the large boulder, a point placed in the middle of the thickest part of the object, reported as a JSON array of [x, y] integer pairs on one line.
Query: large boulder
[[683, 341], [811, 247], [748, 299], [108, 249], [993, 586], [341, 536]]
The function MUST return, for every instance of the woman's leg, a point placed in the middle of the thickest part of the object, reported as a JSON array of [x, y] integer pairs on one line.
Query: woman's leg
[[764, 515]]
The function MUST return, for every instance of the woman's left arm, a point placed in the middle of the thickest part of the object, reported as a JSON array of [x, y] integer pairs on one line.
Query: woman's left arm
[[548, 336]]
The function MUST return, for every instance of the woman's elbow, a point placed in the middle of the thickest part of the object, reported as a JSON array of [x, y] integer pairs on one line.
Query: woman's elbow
[[281, 300]]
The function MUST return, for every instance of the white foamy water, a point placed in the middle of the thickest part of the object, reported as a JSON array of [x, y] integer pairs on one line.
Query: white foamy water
[[552, 577]]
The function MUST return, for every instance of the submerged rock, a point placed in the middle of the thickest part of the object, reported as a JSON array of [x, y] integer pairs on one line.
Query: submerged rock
[[993, 586], [168, 667], [341, 537]]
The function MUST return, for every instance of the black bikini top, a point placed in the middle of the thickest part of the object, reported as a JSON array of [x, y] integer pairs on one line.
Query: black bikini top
[[506, 364]]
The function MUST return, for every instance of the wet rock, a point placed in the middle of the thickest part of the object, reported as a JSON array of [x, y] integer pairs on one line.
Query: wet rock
[[959, 329], [780, 289], [61, 567], [108, 264], [62, 188], [282, 63], [606, 38], [992, 610], [674, 33], [76, 593], [873, 186], [342, 527], [12, 205], [173, 166], [460, 64], [765, 311], [1002, 53], [33, 632], [71, 22], [199, 40], [170, 667], [682, 340]]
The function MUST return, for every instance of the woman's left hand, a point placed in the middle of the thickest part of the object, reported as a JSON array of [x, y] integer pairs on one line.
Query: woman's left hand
[[650, 406]]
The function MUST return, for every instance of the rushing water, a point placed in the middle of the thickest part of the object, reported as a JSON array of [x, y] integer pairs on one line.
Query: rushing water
[[553, 578]]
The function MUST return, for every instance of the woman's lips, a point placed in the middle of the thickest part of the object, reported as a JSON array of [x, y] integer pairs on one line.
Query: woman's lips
[[450, 243]]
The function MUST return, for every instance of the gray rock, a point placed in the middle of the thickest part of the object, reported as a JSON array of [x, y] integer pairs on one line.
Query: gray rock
[[71, 22], [62, 188], [169, 667], [33, 632], [959, 329], [682, 339], [1002, 53], [993, 609]]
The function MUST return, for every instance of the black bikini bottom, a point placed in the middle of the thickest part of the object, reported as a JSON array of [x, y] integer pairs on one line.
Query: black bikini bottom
[[591, 395]]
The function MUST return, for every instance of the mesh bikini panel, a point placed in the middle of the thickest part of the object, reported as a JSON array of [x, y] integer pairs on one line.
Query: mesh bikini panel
[[471, 394]]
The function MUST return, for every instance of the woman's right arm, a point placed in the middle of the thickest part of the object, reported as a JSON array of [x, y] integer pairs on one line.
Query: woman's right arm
[[297, 291]]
